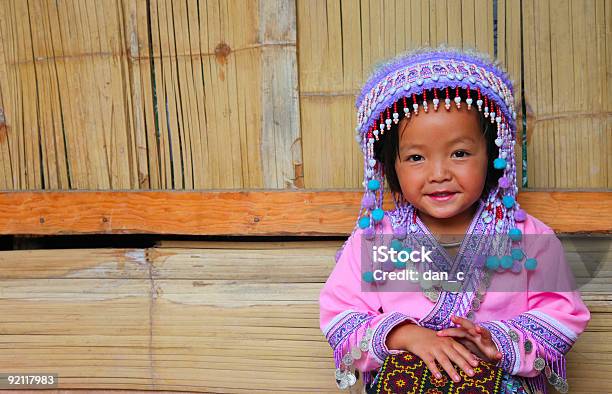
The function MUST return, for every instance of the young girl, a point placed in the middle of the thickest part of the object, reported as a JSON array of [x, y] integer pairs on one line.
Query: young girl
[[440, 126]]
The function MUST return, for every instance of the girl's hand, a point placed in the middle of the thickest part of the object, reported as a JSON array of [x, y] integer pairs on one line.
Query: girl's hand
[[430, 347], [480, 338]]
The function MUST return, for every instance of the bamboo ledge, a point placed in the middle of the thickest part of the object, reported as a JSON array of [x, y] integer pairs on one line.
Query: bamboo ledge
[[313, 212]]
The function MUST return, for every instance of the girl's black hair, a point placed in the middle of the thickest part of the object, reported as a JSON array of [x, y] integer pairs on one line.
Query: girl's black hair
[[386, 149]]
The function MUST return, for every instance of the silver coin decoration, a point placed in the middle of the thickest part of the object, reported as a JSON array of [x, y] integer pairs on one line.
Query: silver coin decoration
[[528, 346], [340, 374], [553, 379], [563, 387], [347, 360], [364, 344], [513, 335], [475, 304], [539, 364]]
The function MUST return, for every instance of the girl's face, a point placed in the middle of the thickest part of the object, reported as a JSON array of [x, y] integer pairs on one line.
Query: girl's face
[[442, 163]]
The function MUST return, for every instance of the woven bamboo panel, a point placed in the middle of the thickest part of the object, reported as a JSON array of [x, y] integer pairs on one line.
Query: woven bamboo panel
[[139, 94], [219, 317], [544, 46]]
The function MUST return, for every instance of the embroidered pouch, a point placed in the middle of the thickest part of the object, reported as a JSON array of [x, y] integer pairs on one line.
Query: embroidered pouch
[[406, 373]]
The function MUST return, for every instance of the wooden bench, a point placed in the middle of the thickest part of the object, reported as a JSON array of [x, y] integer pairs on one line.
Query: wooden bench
[[211, 316]]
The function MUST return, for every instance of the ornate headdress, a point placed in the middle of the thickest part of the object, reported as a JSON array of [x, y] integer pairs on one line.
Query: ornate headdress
[[390, 94]]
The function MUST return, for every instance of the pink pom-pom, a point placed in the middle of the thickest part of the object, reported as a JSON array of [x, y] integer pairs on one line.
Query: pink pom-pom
[[520, 215], [368, 201], [504, 182]]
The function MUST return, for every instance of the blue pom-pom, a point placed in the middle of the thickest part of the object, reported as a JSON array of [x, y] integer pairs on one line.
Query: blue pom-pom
[[515, 234], [399, 264], [531, 264], [506, 262], [499, 163], [373, 184], [368, 276], [492, 263], [508, 201], [378, 214], [517, 254], [396, 245], [364, 222]]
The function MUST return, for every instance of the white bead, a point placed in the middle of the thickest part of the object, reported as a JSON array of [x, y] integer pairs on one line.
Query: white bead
[[468, 101], [382, 126], [376, 132], [406, 110], [436, 102], [479, 103], [387, 122], [457, 99], [415, 107]]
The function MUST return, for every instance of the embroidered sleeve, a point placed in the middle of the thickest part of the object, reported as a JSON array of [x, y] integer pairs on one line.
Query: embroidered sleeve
[[352, 321], [534, 343]]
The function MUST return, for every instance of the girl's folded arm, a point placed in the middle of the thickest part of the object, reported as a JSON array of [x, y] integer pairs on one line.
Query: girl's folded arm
[[351, 319]]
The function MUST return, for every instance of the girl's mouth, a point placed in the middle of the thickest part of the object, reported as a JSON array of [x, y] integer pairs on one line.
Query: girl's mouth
[[441, 196]]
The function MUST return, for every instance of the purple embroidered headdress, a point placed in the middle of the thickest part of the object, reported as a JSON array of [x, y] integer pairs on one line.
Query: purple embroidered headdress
[[390, 94]]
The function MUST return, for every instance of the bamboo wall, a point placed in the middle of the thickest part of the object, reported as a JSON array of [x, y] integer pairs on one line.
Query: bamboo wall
[[244, 94]]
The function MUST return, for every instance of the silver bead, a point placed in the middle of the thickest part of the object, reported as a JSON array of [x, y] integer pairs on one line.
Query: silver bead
[[356, 353]]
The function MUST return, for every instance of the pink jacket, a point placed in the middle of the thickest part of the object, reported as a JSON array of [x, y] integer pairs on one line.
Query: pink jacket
[[551, 321]]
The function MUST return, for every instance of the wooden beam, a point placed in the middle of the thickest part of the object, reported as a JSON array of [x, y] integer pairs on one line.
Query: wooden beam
[[326, 212]]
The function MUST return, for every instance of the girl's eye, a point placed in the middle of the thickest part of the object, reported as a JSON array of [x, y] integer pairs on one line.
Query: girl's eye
[[414, 158], [460, 153]]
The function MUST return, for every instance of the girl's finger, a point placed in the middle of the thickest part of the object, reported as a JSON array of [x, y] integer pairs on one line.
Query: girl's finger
[[488, 348], [465, 323], [448, 367], [453, 332], [431, 364], [473, 332], [466, 354]]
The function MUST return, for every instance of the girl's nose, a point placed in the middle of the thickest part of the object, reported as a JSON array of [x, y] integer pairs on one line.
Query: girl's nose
[[439, 172]]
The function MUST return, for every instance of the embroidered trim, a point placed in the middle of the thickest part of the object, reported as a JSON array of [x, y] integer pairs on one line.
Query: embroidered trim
[[547, 329], [509, 349], [344, 325], [378, 349]]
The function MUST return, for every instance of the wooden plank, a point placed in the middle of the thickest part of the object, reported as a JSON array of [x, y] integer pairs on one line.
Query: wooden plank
[[199, 319], [248, 213]]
